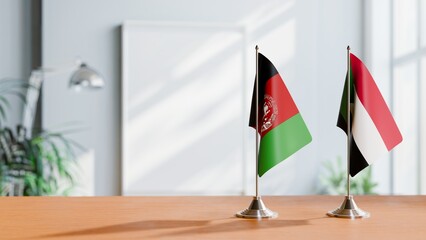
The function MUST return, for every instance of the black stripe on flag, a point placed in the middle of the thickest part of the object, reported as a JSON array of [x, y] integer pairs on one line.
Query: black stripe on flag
[[266, 71], [358, 162]]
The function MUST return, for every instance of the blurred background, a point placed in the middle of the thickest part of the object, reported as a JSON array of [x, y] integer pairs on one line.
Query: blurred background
[[172, 117]]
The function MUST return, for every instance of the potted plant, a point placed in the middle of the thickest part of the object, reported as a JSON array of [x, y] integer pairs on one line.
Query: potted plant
[[32, 166]]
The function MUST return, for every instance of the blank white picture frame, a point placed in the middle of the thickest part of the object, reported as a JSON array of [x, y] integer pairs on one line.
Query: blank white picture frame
[[184, 115]]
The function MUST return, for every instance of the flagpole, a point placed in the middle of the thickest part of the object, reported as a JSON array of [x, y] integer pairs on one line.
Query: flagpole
[[257, 121], [257, 208], [348, 181], [348, 209]]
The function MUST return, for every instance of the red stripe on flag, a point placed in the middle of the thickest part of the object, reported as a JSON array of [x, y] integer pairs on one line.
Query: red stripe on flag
[[276, 88], [370, 96]]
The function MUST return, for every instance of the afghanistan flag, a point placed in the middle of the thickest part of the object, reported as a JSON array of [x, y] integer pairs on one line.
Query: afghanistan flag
[[374, 131], [281, 127]]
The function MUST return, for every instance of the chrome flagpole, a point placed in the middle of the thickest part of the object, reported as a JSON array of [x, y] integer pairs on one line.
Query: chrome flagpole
[[257, 208], [348, 209]]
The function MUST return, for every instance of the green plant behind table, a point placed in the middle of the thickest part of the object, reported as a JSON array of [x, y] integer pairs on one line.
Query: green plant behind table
[[38, 165], [41, 165], [333, 181]]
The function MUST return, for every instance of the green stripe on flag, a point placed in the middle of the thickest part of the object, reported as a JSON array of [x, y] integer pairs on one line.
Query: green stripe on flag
[[282, 141], [344, 101]]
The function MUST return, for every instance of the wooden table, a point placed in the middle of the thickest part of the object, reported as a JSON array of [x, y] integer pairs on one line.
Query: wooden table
[[300, 217]]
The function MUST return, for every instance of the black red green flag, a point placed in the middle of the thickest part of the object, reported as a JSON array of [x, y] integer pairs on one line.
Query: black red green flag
[[281, 127]]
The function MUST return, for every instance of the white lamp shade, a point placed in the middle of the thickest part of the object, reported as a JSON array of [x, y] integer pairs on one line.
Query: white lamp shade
[[86, 77]]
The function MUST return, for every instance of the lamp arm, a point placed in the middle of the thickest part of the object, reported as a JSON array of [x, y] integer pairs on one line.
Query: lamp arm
[[33, 93], [84, 76], [58, 70]]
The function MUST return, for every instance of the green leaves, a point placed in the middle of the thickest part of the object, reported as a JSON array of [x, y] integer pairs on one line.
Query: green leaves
[[41, 163], [44, 162], [333, 181]]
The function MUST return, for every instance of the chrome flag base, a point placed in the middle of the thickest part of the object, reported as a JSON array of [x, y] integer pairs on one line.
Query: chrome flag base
[[348, 209], [257, 209]]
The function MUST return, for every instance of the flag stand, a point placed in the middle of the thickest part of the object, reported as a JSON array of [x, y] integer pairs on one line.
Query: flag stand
[[348, 209], [257, 208]]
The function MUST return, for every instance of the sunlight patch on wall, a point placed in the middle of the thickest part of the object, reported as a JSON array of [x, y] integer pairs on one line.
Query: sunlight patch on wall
[[265, 13]]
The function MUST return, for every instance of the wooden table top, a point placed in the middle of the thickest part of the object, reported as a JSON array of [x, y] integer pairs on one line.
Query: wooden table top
[[300, 217]]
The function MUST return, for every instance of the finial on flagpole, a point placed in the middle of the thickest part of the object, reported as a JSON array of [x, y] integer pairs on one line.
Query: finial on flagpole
[[348, 48], [257, 47]]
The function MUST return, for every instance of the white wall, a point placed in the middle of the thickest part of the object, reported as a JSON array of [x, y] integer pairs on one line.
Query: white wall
[[340, 24], [395, 61], [15, 47], [378, 56], [306, 40]]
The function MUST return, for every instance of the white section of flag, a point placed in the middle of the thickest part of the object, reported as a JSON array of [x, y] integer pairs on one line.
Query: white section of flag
[[366, 135]]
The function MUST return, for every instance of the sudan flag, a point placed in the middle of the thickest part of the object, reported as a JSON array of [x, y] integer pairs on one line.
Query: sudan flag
[[373, 129], [281, 127]]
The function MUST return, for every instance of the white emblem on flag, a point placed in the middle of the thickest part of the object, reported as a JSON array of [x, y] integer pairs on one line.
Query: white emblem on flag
[[270, 112]]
